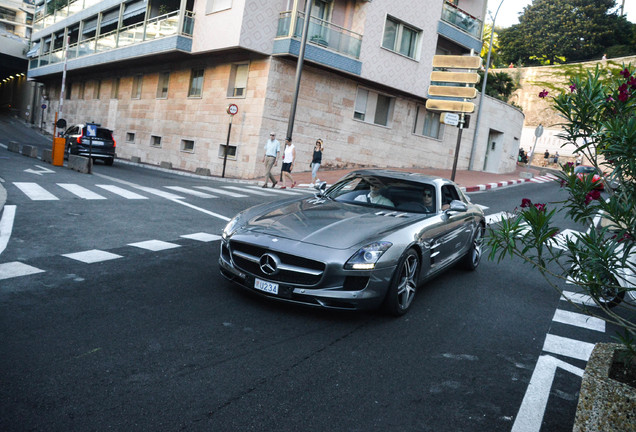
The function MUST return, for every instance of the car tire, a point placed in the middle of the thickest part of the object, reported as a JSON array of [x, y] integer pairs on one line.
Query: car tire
[[403, 284], [109, 161], [473, 256]]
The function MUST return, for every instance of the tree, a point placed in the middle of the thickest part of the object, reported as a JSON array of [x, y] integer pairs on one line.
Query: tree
[[575, 30], [500, 85], [599, 117]]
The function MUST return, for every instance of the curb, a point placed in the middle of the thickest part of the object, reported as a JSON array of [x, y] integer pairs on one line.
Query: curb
[[541, 179]]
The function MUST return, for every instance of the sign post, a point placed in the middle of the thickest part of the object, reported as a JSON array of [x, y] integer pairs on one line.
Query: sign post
[[91, 132], [232, 110], [451, 91]]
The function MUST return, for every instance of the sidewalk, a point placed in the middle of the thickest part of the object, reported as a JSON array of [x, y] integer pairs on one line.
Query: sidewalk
[[469, 181]]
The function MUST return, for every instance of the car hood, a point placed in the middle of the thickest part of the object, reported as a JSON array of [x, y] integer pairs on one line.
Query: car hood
[[327, 223]]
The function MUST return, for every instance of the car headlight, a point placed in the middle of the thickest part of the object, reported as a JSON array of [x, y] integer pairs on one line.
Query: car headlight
[[366, 257], [231, 226]]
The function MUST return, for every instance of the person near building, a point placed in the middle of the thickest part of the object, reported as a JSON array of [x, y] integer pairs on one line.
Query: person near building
[[289, 156], [316, 161], [272, 151], [556, 158], [579, 160], [546, 156]]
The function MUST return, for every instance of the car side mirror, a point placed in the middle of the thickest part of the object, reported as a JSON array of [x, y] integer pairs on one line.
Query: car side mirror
[[457, 206]]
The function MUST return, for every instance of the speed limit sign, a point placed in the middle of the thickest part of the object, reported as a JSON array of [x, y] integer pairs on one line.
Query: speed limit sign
[[232, 109]]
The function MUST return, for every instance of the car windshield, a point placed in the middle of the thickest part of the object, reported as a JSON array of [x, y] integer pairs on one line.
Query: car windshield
[[581, 169], [385, 192]]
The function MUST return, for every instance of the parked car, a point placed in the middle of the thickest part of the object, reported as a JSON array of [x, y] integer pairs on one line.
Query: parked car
[[369, 240], [582, 171], [101, 146]]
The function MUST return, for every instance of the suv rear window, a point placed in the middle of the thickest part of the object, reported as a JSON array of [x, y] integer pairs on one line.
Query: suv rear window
[[102, 133]]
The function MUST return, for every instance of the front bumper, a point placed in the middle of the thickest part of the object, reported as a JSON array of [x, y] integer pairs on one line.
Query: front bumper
[[337, 288]]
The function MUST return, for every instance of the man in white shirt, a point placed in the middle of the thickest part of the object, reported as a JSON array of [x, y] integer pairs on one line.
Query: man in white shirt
[[374, 197], [270, 158]]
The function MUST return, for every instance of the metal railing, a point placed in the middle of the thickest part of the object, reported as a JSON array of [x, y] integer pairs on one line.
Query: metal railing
[[457, 17], [46, 15], [155, 28], [322, 33]]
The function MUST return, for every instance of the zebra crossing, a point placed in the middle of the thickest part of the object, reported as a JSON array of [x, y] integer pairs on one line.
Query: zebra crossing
[[56, 191]]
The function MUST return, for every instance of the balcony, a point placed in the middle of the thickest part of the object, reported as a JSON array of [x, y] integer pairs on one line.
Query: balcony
[[457, 17], [328, 43], [46, 14], [158, 28]]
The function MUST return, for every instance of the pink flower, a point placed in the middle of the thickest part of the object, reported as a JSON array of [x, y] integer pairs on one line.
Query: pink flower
[[543, 94], [540, 207], [609, 99], [526, 203], [625, 72], [592, 195], [623, 96], [572, 88]]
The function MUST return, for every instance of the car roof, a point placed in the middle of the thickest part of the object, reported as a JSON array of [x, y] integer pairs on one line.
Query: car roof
[[400, 175]]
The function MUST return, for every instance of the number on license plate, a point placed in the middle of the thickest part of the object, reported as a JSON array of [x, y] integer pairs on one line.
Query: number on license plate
[[268, 287]]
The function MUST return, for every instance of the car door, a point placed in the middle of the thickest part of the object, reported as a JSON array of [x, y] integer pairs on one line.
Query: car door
[[457, 227]]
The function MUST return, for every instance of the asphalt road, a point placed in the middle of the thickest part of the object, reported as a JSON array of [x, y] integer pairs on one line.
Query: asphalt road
[[153, 338]]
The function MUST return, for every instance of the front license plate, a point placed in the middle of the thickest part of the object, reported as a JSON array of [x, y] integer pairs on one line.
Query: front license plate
[[268, 287]]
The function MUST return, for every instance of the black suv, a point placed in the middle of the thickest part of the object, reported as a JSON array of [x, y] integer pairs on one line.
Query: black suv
[[78, 143]]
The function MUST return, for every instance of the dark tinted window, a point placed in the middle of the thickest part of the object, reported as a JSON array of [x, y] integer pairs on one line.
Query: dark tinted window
[[102, 133]]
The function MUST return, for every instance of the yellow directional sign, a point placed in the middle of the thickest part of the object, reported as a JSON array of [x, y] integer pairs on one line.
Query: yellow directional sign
[[449, 106], [452, 91], [455, 77], [456, 62]]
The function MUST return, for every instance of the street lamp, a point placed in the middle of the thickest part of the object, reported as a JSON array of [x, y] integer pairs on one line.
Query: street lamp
[[483, 88]]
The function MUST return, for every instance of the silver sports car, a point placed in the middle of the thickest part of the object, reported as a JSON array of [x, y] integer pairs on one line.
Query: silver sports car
[[369, 240]]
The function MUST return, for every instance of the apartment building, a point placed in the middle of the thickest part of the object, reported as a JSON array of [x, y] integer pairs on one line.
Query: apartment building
[[16, 19], [161, 74]]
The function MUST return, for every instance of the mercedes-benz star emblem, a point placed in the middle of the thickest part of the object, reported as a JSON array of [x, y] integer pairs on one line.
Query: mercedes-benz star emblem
[[269, 264]]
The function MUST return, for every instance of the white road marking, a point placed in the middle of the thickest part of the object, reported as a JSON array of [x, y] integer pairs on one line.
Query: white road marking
[[579, 320], [92, 256], [277, 191], [190, 192], [15, 269], [568, 347], [81, 192], [35, 191], [560, 240], [532, 410], [578, 298], [202, 237], [251, 191], [158, 192], [216, 215], [121, 192], [498, 217], [6, 226], [154, 245], [221, 191]]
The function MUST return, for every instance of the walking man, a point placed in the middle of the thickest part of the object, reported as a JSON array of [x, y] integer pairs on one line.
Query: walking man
[[272, 150]]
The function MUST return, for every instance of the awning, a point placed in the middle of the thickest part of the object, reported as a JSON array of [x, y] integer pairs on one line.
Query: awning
[[34, 51], [135, 8]]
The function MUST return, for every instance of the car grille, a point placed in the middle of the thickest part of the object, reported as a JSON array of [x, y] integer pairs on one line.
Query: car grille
[[292, 269]]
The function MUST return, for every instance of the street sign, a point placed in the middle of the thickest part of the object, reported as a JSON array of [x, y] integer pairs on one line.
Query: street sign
[[456, 62], [452, 91], [451, 119], [455, 77], [232, 109], [450, 106], [91, 130], [43, 106]]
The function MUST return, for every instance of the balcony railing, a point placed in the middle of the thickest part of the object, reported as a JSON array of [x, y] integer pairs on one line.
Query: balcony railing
[[322, 33], [155, 28], [457, 17], [46, 15]]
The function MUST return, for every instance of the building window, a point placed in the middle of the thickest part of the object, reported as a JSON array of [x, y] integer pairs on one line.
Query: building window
[[162, 86], [114, 90], [400, 38], [372, 107], [238, 80], [217, 5], [130, 137], [427, 123], [231, 151], [196, 83], [136, 87], [155, 141], [187, 145]]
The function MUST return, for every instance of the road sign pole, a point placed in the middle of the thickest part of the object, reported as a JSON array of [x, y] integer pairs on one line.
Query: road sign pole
[[227, 145], [459, 141]]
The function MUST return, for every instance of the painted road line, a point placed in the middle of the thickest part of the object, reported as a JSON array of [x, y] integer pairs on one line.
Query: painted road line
[[190, 192], [6, 226], [221, 191], [532, 410], [275, 191], [154, 245], [560, 240], [121, 192], [579, 320], [567, 347], [498, 217], [208, 212], [16, 269], [35, 191], [92, 256], [81, 192], [578, 298], [202, 237], [149, 190], [251, 191], [483, 207]]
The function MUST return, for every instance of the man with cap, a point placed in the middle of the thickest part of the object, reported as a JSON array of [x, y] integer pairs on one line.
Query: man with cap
[[270, 158]]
